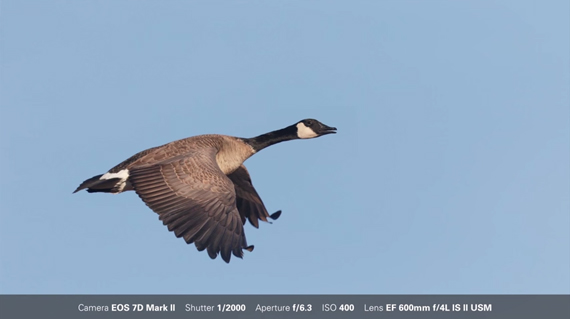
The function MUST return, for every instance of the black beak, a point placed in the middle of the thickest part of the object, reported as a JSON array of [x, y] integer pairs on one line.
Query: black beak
[[327, 130]]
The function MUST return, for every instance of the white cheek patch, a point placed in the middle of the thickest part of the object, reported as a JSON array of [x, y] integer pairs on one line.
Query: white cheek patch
[[304, 131]]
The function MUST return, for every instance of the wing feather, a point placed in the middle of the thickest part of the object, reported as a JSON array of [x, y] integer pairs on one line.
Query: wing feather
[[195, 200], [248, 202]]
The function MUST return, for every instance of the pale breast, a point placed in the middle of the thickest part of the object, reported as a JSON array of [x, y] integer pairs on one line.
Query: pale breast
[[232, 154]]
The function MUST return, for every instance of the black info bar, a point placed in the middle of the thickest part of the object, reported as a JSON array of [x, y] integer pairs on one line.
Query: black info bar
[[285, 306]]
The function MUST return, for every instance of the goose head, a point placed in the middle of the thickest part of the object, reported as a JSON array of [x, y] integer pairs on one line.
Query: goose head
[[311, 128]]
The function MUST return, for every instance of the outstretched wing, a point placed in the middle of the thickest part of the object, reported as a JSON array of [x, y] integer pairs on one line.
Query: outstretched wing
[[248, 202], [195, 200]]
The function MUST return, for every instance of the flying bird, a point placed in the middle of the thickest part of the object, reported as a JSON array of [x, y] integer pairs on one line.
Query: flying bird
[[199, 186]]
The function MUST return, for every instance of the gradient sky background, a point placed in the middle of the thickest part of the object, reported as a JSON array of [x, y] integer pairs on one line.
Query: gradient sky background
[[449, 174]]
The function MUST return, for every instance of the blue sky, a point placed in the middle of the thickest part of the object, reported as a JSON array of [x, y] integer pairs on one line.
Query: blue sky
[[449, 173]]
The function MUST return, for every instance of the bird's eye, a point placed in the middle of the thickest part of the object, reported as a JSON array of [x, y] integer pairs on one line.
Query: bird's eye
[[309, 123]]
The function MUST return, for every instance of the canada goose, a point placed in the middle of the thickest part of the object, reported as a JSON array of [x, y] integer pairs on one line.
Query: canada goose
[[199, 187]]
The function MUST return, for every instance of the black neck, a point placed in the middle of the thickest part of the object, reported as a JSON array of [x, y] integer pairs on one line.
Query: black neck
[[262, 141]]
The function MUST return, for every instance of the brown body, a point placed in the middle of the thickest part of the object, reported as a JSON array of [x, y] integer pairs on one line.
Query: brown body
[[231, 152]]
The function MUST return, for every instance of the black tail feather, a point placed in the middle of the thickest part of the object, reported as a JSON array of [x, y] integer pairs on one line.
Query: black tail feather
[[88, 183], [95, 185]]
